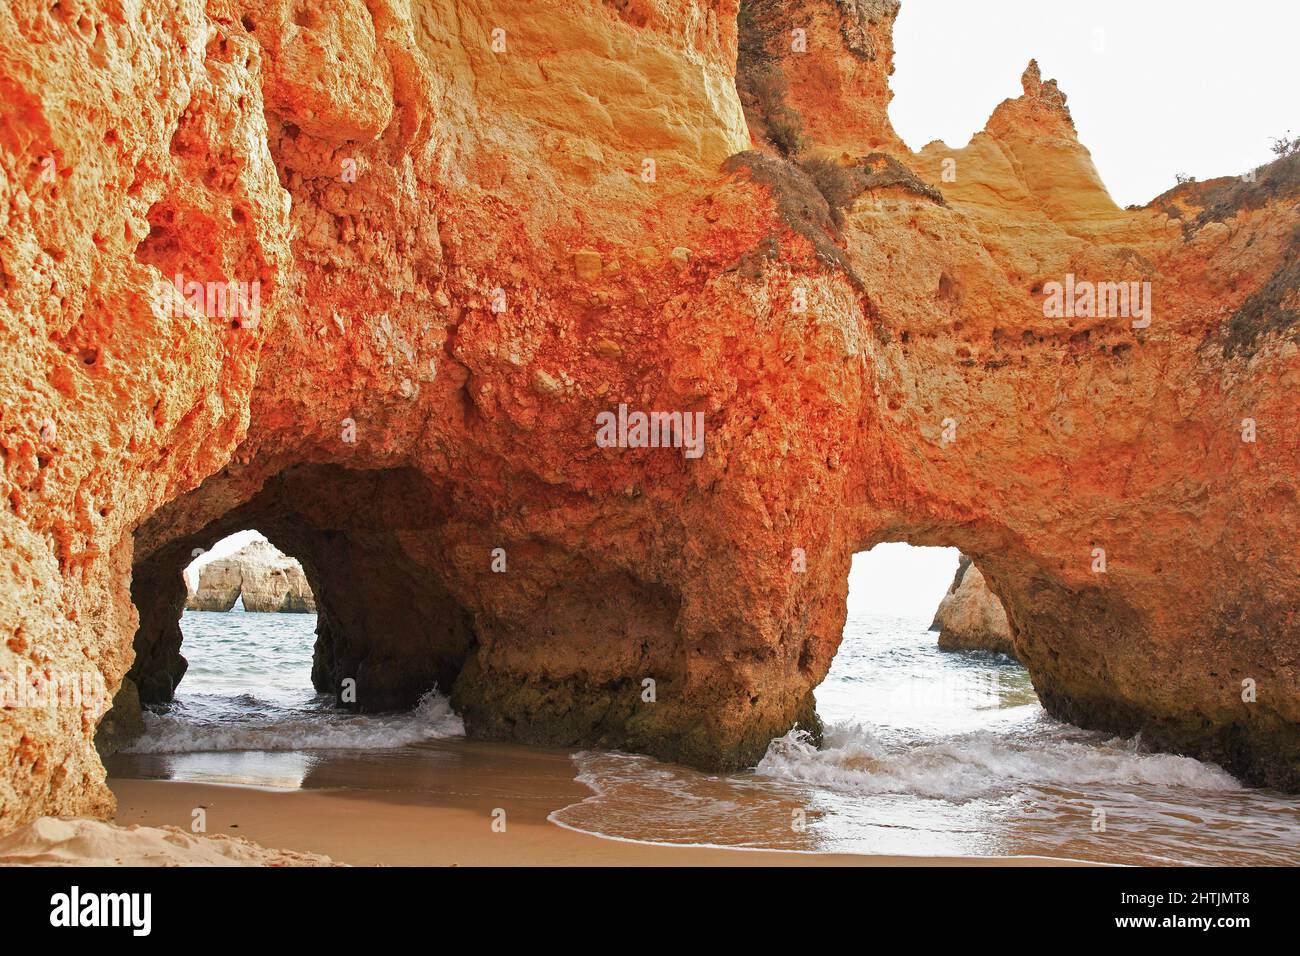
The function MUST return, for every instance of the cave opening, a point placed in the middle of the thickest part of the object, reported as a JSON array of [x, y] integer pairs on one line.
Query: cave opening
[[357, 553], [249, 630], [926, 647]]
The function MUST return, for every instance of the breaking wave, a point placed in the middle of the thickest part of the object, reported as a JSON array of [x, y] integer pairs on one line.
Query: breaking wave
[[855, 758], [280, 729]]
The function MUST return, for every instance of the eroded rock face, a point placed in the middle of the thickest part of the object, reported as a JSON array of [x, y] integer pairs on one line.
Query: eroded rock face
[[218, 587], [266, 579], [123, 723], [862, 328], [970, 617]]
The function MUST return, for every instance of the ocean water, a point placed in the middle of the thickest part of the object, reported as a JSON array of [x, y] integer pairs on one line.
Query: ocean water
[[925, 753], [248, 687]]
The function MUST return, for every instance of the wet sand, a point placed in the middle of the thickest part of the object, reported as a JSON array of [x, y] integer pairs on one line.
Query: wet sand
[[428, 807]]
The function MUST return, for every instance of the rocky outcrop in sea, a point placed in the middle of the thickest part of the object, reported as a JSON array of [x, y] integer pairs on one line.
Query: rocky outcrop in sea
[[970, 616], [266, 579]]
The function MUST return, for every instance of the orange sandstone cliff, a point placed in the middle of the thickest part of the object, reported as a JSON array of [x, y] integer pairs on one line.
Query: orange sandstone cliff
[[473, 228]]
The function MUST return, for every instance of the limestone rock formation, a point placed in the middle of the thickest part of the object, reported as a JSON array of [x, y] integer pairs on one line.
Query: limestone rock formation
[[406, 400], [218, 587], [124, 721], [970, 616], [266, 579]]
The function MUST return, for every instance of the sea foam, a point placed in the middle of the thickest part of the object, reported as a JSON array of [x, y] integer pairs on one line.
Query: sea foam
[[431, 719], [854, 758]]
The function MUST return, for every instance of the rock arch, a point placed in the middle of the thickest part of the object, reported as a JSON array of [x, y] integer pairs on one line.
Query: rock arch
[[461, 265], [385, 620], [257, 575]]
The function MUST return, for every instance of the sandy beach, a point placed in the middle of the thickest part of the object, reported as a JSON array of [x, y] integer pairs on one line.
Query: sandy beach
[[930, 756], [368, 828], [432, 808]]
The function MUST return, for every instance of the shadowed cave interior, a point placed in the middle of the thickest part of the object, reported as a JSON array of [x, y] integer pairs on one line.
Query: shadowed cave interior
[[388, 630], [384, 620]]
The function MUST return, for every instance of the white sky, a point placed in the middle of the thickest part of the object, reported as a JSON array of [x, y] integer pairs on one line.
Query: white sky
[[1156, 87], [898, 579]]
